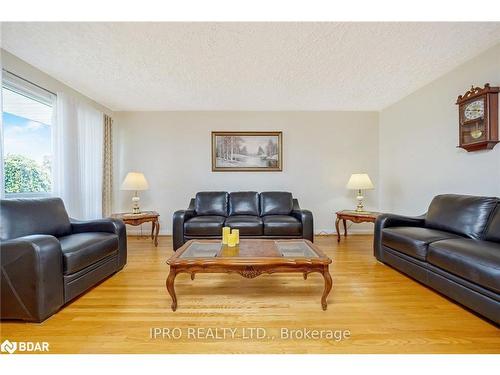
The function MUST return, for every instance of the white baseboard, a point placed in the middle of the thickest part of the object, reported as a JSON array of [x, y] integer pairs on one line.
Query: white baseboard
[[319, 232], [146, 232], [329, 232]]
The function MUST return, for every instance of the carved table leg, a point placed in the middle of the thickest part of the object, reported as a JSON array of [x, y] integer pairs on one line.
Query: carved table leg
[[192, 276], [305, 275], [337, 228], [345, 227], [170, 288], [157, 231], [328, 287], [153, 229]]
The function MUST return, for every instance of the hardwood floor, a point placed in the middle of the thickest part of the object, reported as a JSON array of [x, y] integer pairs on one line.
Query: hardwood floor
[[385, 311]]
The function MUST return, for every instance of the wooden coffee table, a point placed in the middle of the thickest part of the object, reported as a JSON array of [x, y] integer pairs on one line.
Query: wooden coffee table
[[251, 258]]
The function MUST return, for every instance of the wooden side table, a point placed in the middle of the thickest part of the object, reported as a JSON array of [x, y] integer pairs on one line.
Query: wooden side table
[[355, 217], [143, 217]]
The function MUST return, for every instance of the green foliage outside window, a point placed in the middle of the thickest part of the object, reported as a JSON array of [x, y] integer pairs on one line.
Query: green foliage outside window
[[25, 175]]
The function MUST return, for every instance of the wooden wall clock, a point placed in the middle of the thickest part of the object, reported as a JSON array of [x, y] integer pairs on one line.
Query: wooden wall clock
[[478, 118]]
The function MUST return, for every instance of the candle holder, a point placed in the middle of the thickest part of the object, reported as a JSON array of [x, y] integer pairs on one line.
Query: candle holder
[[225, 234], [236, 233], [231, 240]]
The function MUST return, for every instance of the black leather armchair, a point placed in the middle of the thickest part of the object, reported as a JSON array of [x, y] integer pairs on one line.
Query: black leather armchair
[[266, 215], [47, 259], [453, 248]]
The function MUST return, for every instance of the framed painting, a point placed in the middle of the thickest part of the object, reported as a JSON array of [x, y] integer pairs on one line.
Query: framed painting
[[247, 152]]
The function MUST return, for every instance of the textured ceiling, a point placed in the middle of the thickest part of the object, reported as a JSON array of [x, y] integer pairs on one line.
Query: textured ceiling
[[247, 66]]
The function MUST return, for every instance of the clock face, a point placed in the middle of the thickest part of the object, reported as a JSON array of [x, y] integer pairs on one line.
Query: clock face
[[474, 110]]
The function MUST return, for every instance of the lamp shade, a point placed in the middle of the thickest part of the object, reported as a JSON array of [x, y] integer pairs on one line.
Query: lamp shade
[[360, 181], [135, 181]]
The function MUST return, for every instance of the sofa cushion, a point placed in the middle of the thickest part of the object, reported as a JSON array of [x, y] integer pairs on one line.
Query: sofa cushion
[[208, 225], [27, 216], [275, 203], [474, 260], [244, 203], [412, 241], [247, 225], [466, 215], [211, 203], [493, 228], [281, 225], [84, 249]]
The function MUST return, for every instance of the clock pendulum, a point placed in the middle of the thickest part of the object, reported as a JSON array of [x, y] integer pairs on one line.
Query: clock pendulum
[[476, 133]]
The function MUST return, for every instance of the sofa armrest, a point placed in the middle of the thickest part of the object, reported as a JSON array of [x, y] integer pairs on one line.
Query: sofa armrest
[[32, 278], [115, 226], [306, 218], [392, 220], [179, 218]]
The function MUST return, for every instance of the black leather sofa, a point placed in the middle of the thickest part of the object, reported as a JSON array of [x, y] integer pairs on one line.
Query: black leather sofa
[[47, 259], [454, 248], [272, 214]]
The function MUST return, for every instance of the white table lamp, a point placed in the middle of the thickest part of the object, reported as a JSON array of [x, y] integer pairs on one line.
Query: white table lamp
[[360, 182], [135, 181]]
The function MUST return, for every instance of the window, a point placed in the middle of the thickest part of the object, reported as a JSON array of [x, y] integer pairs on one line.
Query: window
[[27, 116]]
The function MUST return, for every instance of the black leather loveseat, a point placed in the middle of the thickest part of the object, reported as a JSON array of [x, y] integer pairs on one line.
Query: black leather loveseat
[[272, 214], [453, 248], [47, 259]]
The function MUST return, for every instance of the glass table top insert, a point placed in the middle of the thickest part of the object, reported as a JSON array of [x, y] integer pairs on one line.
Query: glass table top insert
[[286, 249], [295, 249], [202, 250]]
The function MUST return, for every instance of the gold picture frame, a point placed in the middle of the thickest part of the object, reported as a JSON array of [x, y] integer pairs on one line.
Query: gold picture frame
[[250, 151]]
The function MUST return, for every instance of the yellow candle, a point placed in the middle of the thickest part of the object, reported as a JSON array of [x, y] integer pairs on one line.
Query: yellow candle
[[225, 235], [236, 233], [231, 240]]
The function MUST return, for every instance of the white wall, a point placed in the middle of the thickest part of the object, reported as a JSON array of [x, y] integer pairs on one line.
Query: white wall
[[413, 143], [320, 151], [418, 139]]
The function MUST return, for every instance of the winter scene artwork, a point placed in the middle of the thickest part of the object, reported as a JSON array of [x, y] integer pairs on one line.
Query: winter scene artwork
[[246, 151]]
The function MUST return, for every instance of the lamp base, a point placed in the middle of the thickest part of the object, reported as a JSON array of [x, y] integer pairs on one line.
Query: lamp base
[[359, 207], [135, 204]]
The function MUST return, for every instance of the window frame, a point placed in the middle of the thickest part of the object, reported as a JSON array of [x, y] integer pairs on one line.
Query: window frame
[[21, 86]]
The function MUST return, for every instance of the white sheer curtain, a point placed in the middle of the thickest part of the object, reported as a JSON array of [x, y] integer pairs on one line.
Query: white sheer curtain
[[78, 157]]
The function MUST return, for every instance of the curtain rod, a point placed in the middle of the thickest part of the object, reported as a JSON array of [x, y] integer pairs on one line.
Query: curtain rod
[[32, 83]]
